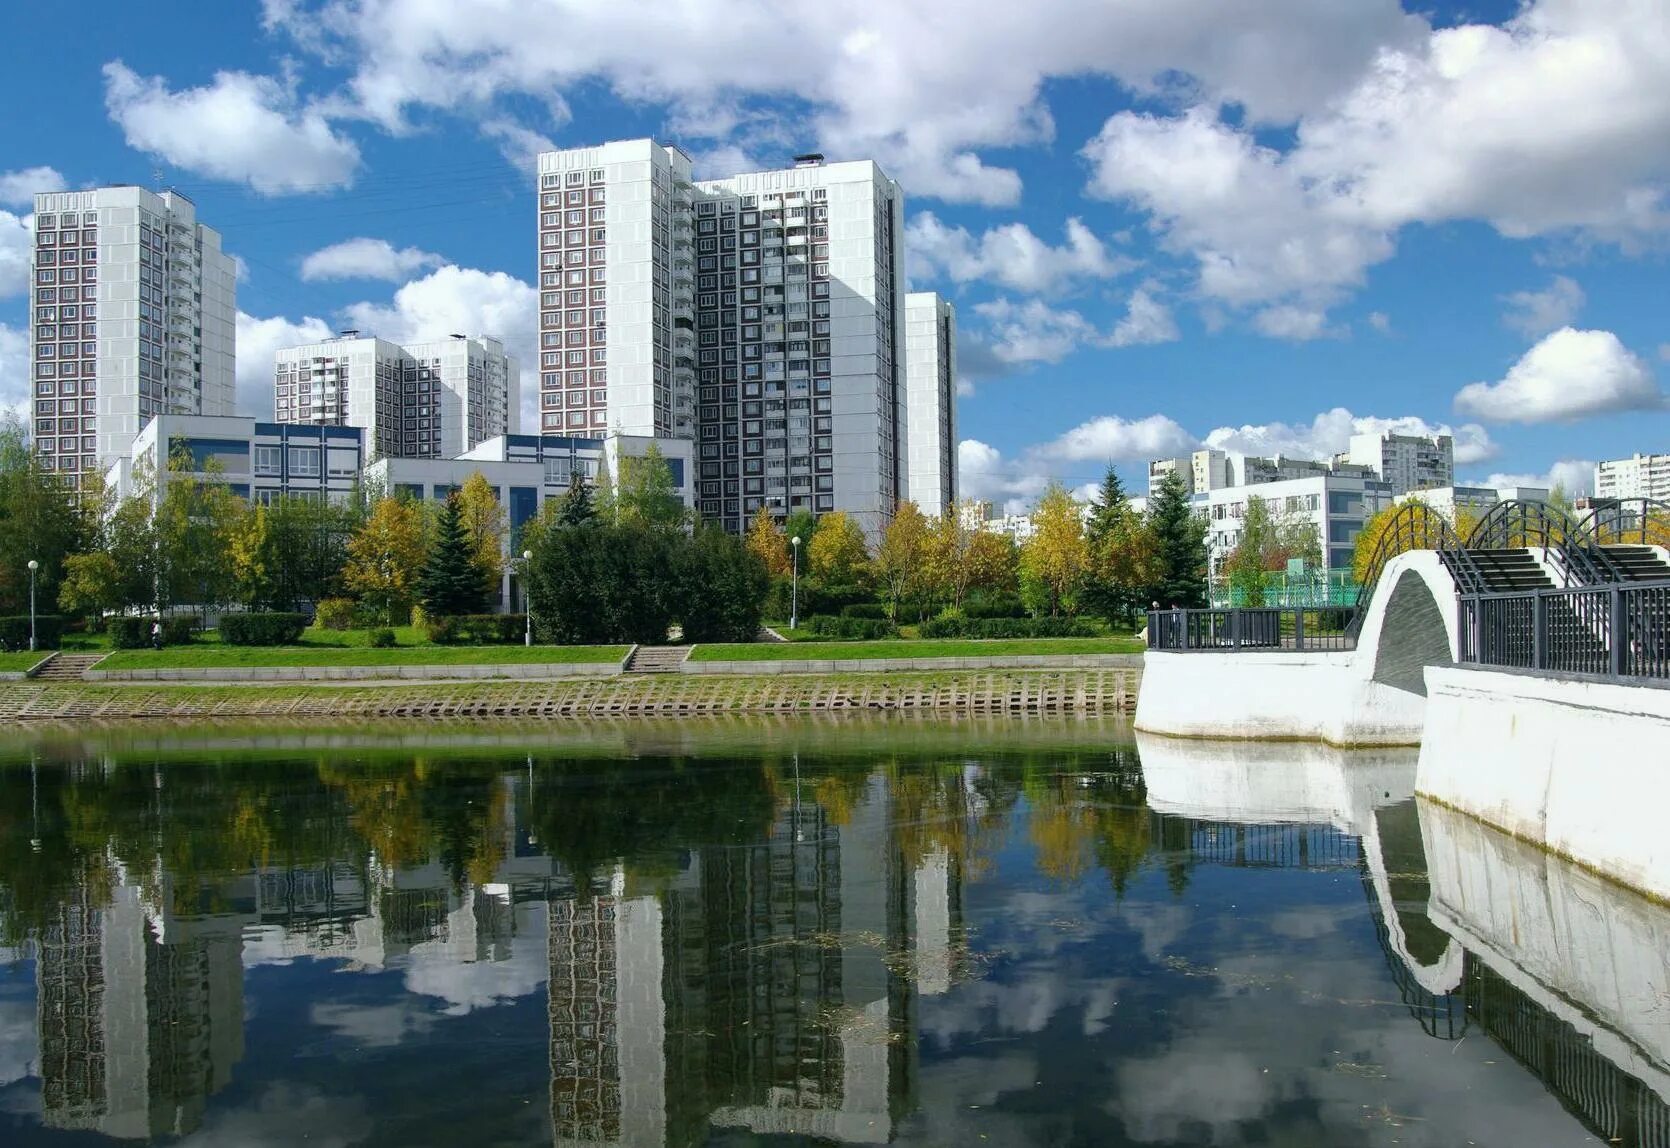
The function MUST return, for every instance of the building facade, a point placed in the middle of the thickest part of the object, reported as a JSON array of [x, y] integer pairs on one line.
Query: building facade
[[931, 402], [1335, 505], [422, 400], [133, 315], [1472, 502], [1408, 462], [760, 315], [1639, 476], [260, 461]]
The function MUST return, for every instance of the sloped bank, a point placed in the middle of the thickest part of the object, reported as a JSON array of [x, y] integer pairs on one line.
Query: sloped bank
[[1090, 691]]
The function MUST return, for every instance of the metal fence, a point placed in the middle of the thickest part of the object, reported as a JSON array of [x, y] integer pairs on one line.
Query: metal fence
[[1250, 628], [1621, 630]]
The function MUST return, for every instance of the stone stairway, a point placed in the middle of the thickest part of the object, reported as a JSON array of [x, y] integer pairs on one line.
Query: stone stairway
[[657, 659], [68, 667], [1510, 571], [1639, 563]]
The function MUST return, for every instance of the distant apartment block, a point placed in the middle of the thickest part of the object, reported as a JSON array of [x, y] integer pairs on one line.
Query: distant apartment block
[[421, 400], [931, 403], [133, 315], [1639, 476], [1404, 462], [760, 316], [1408, 462]]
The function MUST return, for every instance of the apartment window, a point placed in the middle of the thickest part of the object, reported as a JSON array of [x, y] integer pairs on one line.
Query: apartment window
[[304, 461]]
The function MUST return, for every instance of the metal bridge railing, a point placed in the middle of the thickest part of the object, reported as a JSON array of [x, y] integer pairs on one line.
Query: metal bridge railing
[[1620, 630], [1250, 628]]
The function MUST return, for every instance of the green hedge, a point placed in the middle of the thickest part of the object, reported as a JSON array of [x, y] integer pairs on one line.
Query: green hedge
[[176, 631], [476, 629], [994, 606], [865, 610], [1008, 628], [14, 632], [129, 633], [849, 629], [262, 629]]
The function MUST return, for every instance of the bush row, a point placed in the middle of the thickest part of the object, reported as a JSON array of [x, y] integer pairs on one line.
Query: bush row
[[14, 632], [847, 629], [263, 629], [476, 629], [955, 627]]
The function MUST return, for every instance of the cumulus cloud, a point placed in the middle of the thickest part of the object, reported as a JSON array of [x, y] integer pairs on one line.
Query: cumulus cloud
[[1536, 313], [1010, 255], [258, 341], [920, 86], [367, 259], [1330, 432], [19, 188], [1573, 475], [240, 128], [984, 474], [1570, 374], [1380, 321], [1146, 321], [16, 244], [1035, 332], [14, 371], [519, 145], [1112, 439]]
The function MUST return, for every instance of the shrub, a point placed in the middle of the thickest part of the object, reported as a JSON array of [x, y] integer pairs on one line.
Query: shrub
[[178, 631], [130, 633], [954, 627], [994, 606], [814, 598], [14, 632], [837, 628], [722, 586], [336, 614], [381, 638], [475, 629], [865, 610], [262, 629]]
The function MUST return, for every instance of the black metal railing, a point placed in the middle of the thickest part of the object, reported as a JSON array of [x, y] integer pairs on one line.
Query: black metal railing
[[1521, 525], [1628, 522], [1618, 630], [1251, 628], [1414, 526]]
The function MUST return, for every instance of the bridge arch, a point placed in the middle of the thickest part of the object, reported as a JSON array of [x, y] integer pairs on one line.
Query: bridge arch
[[1410, 622]]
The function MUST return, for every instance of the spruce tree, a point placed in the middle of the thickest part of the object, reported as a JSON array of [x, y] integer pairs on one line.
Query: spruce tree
[[577, 507], [1103, 594], [451, 582], [1180, 538]]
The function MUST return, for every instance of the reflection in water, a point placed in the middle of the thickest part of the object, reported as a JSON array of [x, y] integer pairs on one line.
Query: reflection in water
[[648, 935]]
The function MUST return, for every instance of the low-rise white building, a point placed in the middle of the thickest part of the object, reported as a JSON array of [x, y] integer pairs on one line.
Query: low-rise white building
[[259, 461], [1335, 505], [1475, 501]]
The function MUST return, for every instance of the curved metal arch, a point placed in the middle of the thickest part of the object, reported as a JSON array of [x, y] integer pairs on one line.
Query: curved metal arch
[[1629, 521], [1518, 523], [1413, 526]]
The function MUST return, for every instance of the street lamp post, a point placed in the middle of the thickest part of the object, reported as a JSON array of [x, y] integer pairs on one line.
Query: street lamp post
[[33, 566], [794, 584], [527, 609]]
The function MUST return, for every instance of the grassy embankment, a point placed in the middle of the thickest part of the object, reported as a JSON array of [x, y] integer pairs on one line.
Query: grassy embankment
[[17, 663], [908, 648]]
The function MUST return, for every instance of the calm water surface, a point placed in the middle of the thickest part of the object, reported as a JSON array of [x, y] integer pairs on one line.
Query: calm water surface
[[796, 933]]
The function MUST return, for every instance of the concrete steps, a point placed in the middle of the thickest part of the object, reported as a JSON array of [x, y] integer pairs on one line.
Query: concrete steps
[[1639, 563], [658, 659], [68, 667]]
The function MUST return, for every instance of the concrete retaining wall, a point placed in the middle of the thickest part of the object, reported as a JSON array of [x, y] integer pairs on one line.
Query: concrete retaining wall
[[1580, 767], [523, 670], [1277, 695], [918, 665]]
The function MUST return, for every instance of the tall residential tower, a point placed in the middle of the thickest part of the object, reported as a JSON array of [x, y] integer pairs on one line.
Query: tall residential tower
[[134, 315], [931, 403], [761, 315]]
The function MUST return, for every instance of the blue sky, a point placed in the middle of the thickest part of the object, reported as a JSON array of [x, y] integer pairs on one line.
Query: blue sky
[[1164, 222]]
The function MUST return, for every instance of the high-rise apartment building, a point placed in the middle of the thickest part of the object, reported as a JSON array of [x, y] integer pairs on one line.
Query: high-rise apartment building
[[134, 314], [760, 315], [931, 402], [1408, 462], [1639, 476], [422, 400]]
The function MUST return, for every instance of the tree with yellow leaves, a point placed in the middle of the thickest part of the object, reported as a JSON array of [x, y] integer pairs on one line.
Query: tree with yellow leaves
[[767, 542], [385, 555], [1055, 558], [838, 555], [485, 524], [902, 556]]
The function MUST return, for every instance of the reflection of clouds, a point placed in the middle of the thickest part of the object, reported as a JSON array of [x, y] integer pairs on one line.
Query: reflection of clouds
[[17, 1040], [1158, 923], [959, 1102], [375, 1026], [1312, 921], [469, 985], [1189, 1087], [287, 1114], [1022, 1004]]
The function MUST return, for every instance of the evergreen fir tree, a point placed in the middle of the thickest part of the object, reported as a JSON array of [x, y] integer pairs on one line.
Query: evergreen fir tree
[[1101, 594], [1180, 539], [577, 507], [451, 582]]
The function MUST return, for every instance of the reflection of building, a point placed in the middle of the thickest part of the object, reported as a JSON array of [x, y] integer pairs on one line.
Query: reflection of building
[[140, 1018]]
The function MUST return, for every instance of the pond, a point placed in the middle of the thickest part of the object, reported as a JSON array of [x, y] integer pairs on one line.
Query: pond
[[809, 931]]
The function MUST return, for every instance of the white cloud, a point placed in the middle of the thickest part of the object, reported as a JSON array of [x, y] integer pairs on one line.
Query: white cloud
[[14, 371], [1146, 321], [18, 188], [1569, 375], [240, 269], [1112, 439], [16, 246], [1330, 432], [918, 85], [258, 341], [1010, 255], [1573, 475], [1295, 324], [1380, 321], [367, 259], [1536, 313], [984, 474], [519, 145], [241, 128], [965, 389]]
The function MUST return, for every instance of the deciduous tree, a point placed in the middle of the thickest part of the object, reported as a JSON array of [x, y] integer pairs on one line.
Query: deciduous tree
[[838, 555], [646, 494], [1054, 559], [767, 542], [385, 555], [901, 559], [485, 525]]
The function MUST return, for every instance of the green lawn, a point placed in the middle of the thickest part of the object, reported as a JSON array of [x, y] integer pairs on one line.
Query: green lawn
[[17, 663], [214, 656], [922, 648]]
